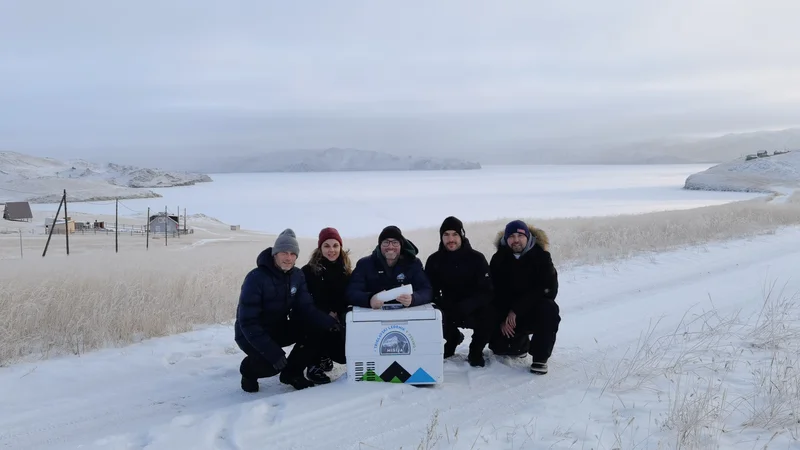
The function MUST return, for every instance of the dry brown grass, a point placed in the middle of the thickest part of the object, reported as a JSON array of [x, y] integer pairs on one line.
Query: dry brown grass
[[592, 240]]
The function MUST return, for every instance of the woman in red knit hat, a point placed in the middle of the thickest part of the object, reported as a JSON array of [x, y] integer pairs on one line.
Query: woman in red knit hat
[[327, 274]]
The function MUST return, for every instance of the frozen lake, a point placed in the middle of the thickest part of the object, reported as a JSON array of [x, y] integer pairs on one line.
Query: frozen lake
[[361, 203]]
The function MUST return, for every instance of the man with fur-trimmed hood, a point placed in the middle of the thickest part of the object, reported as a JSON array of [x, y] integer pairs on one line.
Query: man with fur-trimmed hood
[[526, 284], [462, 290], [393, 263]]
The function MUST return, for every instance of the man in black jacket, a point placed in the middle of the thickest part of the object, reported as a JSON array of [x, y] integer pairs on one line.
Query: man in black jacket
[[276, 310], [462, 290], [525, 285], [393, 263]]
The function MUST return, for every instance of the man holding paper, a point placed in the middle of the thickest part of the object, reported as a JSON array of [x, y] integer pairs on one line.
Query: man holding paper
[[391, 277]]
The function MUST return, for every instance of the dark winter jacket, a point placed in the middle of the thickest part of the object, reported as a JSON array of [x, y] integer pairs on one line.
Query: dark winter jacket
[[520, 283], [372, 275], [328, 286], [460, 279], [268, 297]]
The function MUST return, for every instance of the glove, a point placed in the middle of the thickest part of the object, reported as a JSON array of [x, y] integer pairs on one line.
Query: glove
[[281, 364]]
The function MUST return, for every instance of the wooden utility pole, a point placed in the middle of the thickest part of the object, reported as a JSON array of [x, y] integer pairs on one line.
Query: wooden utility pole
[[20, 243], [166, 228], [147, 229], [116, 226], [66, 221], [52, 227]]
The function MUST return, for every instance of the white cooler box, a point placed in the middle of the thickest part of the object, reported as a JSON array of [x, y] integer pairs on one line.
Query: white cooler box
[[395, 345]]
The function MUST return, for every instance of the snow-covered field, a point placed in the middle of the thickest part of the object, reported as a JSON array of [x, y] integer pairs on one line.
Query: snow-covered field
[[695, 348], [43, 180], [774, 173]]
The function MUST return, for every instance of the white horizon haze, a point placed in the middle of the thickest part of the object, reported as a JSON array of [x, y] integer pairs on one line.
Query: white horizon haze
[[149, 81]]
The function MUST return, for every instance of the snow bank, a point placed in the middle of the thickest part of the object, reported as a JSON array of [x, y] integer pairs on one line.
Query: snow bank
[[767, 174], [338, 160], [42, 180]]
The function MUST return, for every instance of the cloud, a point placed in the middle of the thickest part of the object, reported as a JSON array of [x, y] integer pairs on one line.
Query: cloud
[[151, 70]]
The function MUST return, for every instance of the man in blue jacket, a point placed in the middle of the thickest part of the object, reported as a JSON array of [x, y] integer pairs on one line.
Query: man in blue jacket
[[276, 310], [393, 263]]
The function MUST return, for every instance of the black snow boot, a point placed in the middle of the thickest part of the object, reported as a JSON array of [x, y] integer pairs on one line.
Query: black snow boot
[[249, 384], [326, 364], [297, 381], [539, 368], [292, 374], [317, 375], [476, 359]]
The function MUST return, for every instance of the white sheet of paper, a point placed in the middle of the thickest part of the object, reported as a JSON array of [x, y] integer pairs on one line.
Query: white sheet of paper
[[392, 294]]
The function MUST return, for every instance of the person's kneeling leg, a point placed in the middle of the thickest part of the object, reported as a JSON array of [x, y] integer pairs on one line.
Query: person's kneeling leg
[[334, 345], [546, 319], [293, 332], [517, 345], [482, 322], [313, 345], [452, 335], [296, 362], [253, 367]]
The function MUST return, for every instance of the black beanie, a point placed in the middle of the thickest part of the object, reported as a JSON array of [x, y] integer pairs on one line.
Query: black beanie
[[391, 232], [452, 223]]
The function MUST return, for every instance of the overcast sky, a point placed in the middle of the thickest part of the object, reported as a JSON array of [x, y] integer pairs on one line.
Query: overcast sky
[[403, 76]]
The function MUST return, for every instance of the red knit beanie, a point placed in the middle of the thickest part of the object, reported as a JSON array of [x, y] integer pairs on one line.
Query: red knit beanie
[[328, 233]]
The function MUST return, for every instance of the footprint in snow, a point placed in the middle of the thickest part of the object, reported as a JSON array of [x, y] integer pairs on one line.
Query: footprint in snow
[[176, 357]]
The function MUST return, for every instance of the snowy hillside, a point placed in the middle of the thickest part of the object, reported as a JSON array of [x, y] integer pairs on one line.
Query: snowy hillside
[[765, 174], [335, 160], [41, 180]]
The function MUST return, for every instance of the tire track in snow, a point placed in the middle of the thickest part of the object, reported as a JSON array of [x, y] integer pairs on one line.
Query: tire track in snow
[[626, 285], [410, 412], [108, 408]]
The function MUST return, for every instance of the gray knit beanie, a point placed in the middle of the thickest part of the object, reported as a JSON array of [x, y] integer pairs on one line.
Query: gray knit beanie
[[286, 242]]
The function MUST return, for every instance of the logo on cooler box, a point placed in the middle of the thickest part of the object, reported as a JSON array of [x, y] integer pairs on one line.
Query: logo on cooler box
[[394, 340]]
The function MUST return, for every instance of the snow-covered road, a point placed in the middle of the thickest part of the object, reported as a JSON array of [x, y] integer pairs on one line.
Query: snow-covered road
[[183, 391]]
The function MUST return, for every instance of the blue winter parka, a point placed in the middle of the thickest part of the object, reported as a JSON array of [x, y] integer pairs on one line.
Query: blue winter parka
[[269, 297], [372, 275]]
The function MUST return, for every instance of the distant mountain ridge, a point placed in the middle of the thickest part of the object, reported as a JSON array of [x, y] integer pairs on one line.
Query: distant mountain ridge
[[332, 160], [40, 180]]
